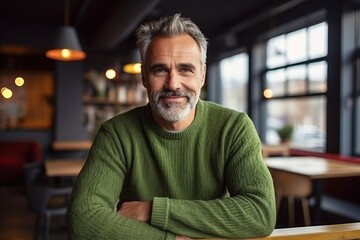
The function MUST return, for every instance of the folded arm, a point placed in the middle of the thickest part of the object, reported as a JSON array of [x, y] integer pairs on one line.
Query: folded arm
[[92, 212], [250, 214]]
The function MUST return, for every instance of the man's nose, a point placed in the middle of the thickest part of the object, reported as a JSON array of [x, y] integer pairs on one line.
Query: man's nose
[[173, 81]]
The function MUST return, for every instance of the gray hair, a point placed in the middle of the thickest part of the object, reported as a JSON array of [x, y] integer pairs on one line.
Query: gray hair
[[171, 26]]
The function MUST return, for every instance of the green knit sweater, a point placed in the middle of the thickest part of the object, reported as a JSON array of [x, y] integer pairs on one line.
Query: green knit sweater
[[206, 181]]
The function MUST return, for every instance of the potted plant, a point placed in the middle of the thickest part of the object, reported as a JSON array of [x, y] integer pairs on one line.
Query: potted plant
[[285, 133]]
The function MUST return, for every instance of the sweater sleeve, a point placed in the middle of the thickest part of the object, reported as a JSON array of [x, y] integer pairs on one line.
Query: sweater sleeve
[[248, 211], [92, 210]]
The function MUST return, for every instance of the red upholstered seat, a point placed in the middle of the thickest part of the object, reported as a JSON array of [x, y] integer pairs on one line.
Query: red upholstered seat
[[13, 155]]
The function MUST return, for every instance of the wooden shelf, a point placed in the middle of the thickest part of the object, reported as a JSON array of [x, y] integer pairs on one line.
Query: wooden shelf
[[105, 101], [99, 100], [122, 94]]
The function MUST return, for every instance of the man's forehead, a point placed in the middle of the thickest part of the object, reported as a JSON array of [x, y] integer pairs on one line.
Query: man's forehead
[[178, 43], [183, 48]]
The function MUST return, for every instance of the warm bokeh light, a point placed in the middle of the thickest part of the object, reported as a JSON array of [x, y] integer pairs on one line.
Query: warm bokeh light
[[133, 68], [268, 93], [110, 73], [6, 93], [65, 53], [19, 81]]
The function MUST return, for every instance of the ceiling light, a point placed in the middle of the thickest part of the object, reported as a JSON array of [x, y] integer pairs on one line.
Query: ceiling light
[[67, 46]]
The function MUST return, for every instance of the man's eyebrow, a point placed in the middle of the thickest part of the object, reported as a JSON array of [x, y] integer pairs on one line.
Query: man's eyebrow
[[186, 65], [157, 65], [164, 66]]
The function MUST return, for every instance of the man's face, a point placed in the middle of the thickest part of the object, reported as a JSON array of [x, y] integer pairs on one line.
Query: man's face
[[173, 75]]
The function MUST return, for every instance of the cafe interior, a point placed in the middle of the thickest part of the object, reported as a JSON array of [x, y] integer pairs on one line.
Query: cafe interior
[[293, 66]]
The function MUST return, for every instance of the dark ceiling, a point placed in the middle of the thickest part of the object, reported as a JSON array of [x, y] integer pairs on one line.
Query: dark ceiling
[[107, 26]]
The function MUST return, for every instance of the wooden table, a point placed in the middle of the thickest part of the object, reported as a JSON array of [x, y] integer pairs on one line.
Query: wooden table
[[348, 231], [63, 167], [275, 150], [72, 145], [316, 169]]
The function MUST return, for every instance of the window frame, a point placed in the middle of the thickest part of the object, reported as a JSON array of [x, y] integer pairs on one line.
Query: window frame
[[288, 96]]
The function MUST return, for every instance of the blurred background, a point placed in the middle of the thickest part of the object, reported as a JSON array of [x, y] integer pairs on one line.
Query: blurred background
[[292, 66]]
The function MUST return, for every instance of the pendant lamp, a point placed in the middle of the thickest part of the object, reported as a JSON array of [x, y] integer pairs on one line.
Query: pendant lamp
[[67, 46], [133, 66]]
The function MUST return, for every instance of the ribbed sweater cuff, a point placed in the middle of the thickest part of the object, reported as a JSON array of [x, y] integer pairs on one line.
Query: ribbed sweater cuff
[[160, 212], [170, 236]]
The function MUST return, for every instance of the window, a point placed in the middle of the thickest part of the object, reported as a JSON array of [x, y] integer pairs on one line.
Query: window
[[234, 81], [357, 86], [295, 86]]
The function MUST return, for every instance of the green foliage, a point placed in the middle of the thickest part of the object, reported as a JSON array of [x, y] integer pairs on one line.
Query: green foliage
[[285, 133]]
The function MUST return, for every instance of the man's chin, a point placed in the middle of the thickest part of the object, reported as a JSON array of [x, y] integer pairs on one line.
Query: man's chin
[[174, 114], [174, 105]]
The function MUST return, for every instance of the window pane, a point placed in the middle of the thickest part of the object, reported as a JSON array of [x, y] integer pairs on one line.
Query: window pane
[[317, 73], [307, 115], [297, 79], [318, 40], [275, 51], [275, 81], [296, 46], [234, 77]]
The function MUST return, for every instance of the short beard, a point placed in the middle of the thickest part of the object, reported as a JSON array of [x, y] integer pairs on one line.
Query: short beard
[[173, 112]]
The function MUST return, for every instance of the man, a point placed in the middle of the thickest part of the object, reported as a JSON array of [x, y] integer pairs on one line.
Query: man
[[178, 167]]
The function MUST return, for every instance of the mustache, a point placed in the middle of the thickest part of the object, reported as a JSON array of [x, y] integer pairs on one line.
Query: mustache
[[176, 93]]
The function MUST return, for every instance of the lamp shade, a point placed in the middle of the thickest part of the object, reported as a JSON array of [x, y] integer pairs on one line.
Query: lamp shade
[[67, 46], [133, 66]]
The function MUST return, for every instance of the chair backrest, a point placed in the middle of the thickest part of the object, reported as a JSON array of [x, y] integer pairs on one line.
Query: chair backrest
[[13, 155], [24, 150], [292, 185], [34, 173]]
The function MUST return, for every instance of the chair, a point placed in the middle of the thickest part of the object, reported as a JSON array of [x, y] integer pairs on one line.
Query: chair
[[42, 196], [13, 155], [289, 186]]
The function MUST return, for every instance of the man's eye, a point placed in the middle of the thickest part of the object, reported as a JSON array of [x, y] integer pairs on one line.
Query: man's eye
[[159, 71], [185, 70]]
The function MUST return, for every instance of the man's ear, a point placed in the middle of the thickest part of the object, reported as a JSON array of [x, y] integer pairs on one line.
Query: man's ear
[[143, 79], [203, 75]]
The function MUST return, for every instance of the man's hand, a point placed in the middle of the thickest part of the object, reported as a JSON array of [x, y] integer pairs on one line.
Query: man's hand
[[141, 211], [137, 210]]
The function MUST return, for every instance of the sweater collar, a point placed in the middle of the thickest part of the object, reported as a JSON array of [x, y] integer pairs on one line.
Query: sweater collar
[[189, 131]]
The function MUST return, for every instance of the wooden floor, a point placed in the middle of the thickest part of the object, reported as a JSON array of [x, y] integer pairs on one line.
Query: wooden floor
[[17, 221]]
